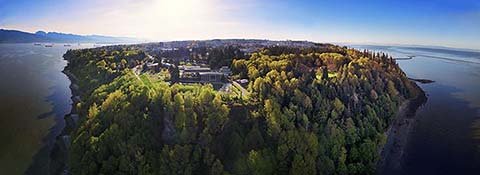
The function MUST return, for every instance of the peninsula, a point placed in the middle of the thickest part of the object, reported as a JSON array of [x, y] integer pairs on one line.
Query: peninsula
[[230, 106]]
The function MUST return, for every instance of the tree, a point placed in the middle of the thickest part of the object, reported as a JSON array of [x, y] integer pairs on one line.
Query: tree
[[392, 90], [217, 168], [260, 162], [254, 138], [273, 116], [179, 110]]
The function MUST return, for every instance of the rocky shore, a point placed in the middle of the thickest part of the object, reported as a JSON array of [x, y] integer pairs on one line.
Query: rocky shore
[[398, 133], [59, 153]]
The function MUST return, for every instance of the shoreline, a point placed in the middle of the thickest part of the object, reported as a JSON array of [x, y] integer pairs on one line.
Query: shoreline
[[60, 149], [398, 133], [423, 81]]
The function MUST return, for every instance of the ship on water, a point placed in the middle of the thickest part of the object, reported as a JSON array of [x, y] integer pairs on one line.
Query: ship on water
[[48, 45]]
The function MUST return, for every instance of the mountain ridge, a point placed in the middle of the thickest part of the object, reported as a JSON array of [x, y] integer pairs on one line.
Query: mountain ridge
[[17, 36]]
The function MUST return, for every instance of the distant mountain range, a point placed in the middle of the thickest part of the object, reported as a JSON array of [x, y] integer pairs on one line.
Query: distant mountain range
[[15, 36]]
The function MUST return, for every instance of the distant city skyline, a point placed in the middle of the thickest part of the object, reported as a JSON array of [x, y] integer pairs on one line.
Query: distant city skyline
[[438, 22]]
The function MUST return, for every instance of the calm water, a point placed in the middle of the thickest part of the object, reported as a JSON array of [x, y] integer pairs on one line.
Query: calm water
[[442, 141], [34, 97]]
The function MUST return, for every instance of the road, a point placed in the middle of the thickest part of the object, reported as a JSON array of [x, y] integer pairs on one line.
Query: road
[[243, 90]]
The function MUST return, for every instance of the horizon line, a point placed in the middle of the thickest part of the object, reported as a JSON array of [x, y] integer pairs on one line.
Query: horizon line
[[340, 43]]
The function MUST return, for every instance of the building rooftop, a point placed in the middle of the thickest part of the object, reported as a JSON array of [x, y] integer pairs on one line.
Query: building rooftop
[[194, 68], [211, 73]]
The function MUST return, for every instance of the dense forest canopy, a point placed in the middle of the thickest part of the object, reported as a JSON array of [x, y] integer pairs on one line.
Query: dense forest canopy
[[319, 110]]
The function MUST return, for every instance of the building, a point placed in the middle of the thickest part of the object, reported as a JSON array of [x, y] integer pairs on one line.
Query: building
[[243, 81], [150, 66], [193, 69], [211, 77], [198, 74]]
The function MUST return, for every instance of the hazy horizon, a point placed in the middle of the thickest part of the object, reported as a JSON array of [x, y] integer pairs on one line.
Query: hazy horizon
[[444, 23]]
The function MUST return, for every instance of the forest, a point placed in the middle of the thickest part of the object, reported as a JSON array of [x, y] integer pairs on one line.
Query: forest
[[318, 110]]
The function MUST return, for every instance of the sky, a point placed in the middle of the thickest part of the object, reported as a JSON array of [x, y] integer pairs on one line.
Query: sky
[[453, 23]]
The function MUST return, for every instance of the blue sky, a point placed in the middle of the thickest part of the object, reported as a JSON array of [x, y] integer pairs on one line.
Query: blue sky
[[454, 23]]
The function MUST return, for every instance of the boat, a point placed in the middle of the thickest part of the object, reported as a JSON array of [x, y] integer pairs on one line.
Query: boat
[[48, 45], [37, 44], [67, 45]]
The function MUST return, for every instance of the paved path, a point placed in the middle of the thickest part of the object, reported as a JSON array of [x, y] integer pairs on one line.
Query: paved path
[[243, 90], [135, 72]]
